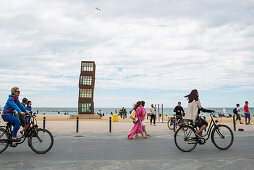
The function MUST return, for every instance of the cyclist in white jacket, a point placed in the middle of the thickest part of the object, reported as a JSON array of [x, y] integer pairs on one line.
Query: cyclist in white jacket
[[193, 109]]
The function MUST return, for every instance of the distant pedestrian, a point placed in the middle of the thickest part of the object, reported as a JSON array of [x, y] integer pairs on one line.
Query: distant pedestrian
[[152, 115], [124, 113], [99, 113], [237, 111], [247, 113], [121, 113], [179, 111]]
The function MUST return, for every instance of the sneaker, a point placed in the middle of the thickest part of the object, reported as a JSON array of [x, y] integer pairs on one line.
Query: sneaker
[[16, 140], [241, 123], [154, 124]]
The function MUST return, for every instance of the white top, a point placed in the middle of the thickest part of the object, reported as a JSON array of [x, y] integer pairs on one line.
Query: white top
[[238, 110], [152, 111], [192, 110]]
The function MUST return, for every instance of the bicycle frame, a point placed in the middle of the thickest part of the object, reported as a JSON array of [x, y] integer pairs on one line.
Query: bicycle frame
[[28, 133], [211, 125]]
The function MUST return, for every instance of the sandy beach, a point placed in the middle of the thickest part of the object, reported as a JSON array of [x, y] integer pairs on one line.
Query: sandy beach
[[63, 123]]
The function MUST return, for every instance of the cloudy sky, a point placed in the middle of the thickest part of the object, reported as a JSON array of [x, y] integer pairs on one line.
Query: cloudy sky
[[154, 50]]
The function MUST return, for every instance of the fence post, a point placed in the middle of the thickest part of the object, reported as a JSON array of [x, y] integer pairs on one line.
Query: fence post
[[44, 122], [77, 124], [159, 112], [162, 112], [174, 124], [110, 120], [205, 120], [234, 122]]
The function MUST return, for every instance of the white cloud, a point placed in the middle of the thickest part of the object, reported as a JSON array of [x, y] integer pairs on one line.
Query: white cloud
[[144, 44]]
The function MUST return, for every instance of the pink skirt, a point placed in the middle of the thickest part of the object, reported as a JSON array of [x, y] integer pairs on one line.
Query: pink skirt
[[137, 128]]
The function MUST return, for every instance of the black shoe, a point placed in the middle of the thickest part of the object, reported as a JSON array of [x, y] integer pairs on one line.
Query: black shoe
[[16, 140]]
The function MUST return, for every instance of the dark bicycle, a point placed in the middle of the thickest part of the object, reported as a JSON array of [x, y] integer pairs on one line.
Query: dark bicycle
[[39, 140], [186, 139], [172, 121]]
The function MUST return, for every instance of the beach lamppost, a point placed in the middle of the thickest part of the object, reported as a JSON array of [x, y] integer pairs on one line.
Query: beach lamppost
[[86, 88]]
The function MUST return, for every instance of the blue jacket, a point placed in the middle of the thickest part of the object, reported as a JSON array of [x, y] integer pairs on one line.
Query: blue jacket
[[29, 108], [12, 104]]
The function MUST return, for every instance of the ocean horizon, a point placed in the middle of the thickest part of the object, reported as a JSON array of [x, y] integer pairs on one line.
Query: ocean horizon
[[107, 111]]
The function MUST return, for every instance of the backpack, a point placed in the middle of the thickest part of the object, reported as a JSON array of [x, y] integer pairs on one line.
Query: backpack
[[235, 111]]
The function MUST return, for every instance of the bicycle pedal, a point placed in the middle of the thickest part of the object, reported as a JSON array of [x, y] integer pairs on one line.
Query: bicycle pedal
[[201, 141]]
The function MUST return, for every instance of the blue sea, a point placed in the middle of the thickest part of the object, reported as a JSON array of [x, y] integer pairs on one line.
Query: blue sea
[[107, 111]]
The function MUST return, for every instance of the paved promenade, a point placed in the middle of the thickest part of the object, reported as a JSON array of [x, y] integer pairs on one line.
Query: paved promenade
[[115, 151]]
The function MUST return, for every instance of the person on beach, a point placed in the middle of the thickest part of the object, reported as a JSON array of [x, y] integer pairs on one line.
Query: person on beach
[[137, 128], [179, 111], [13, 104], [152, 115], [124, 113], [193, 110], [247, 113], [236, 112]]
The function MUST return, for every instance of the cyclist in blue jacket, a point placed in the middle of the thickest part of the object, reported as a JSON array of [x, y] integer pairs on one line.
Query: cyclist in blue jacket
[[13, 104]]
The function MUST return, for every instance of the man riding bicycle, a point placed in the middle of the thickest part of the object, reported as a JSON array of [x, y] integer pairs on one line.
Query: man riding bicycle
[[193, 110], [13, 104], [179, 111]]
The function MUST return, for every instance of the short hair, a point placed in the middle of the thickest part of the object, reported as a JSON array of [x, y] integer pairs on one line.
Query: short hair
[[143, 103], [179, 103], [29, 102], [24, 100], [13, 90], [237, 105], [246, 102]]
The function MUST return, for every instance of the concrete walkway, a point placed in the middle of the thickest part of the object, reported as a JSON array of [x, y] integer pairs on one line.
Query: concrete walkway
[[115, 151]]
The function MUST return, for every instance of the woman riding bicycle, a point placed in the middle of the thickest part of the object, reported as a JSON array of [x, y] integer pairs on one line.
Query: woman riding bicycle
[[13, 104], [193, 110]]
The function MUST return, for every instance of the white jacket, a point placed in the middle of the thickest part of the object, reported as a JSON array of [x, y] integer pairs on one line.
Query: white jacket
[[192, 110]]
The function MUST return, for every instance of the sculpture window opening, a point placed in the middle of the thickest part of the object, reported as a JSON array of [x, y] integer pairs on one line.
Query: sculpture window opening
[[87, 66], [86, 107], [85, 93], [86, 80]]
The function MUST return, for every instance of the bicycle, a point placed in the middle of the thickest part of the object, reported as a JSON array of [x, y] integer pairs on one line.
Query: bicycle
[[39, 140], [172, 121], [186, 139]]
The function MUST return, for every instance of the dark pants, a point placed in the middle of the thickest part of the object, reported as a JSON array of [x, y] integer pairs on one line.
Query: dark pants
[[22, 120], [153, 117], [238, 117]]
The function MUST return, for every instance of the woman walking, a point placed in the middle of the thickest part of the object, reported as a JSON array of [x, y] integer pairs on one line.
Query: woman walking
[[137, 128]]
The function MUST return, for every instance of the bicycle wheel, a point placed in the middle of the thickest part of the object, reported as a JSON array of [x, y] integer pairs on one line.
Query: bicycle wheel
[[185, 138], [3, 139], [222, 137], [171, 123], [41, 141]]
